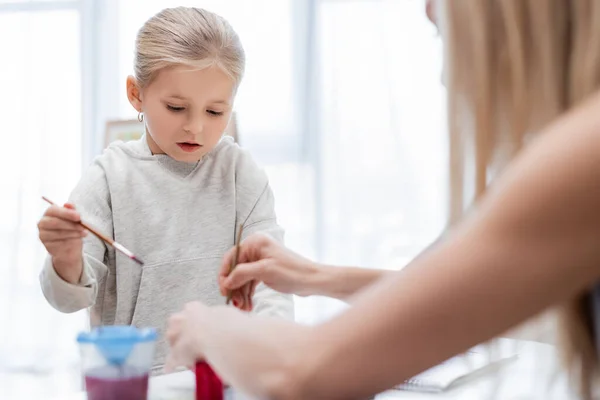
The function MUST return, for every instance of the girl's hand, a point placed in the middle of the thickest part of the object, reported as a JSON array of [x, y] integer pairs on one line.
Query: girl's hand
[[62, 235]]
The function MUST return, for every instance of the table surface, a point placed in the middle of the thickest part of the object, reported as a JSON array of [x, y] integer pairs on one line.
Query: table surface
[[534, 375]]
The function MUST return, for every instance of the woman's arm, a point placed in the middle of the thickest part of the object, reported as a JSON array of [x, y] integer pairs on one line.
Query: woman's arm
[[344, 282], [263, 259], [533, 242]]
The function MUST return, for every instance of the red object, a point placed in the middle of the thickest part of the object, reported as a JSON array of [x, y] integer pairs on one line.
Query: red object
[[102, 384], [208, 385]]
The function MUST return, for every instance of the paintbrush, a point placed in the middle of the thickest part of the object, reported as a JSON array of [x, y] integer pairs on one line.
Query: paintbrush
[[117, 246], [234, 260]]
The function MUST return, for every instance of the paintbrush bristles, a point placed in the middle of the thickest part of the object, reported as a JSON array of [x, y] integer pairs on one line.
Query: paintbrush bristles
[[128, 253], [234, 260]]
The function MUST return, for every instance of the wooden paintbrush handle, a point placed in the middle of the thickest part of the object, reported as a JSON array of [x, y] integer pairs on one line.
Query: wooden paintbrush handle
[[95, 232], [236, 256]]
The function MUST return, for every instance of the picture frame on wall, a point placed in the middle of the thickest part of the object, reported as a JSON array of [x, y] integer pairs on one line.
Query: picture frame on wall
[[132, 129], [125, 130]]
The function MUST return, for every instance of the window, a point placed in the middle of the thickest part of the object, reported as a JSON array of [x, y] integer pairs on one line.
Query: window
[[382, 157], [380, 145], [41, 82]]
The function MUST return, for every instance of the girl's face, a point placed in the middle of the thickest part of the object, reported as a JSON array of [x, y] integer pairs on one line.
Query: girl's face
[[186, 111]]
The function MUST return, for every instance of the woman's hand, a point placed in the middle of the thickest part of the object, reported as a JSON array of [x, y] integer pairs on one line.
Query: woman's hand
[[183, 335], [259, 356], [262, 259]]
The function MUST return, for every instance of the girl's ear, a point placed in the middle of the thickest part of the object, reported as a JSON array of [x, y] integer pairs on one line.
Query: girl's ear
[[134, 93]]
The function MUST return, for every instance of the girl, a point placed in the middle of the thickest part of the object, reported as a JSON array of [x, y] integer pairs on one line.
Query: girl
[[174, 197], [513, 68]]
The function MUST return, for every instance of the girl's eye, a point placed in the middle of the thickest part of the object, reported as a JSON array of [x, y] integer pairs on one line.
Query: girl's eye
[[216, 113], [175, 109]]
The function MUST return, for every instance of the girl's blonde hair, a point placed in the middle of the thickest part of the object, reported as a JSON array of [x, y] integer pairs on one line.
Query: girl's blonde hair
[[513, 66], [190, 37]]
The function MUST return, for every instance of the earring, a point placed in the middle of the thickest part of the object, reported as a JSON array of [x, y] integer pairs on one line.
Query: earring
[[140, 117]]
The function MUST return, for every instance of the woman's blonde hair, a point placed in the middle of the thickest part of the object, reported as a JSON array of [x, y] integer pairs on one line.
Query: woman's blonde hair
[[513, 66], [190, 37]]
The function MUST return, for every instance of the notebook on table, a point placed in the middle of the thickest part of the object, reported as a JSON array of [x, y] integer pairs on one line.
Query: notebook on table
[[456, 371]]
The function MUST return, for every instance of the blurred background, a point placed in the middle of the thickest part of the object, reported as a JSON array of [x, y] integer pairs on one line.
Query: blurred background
[[342, 104]]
